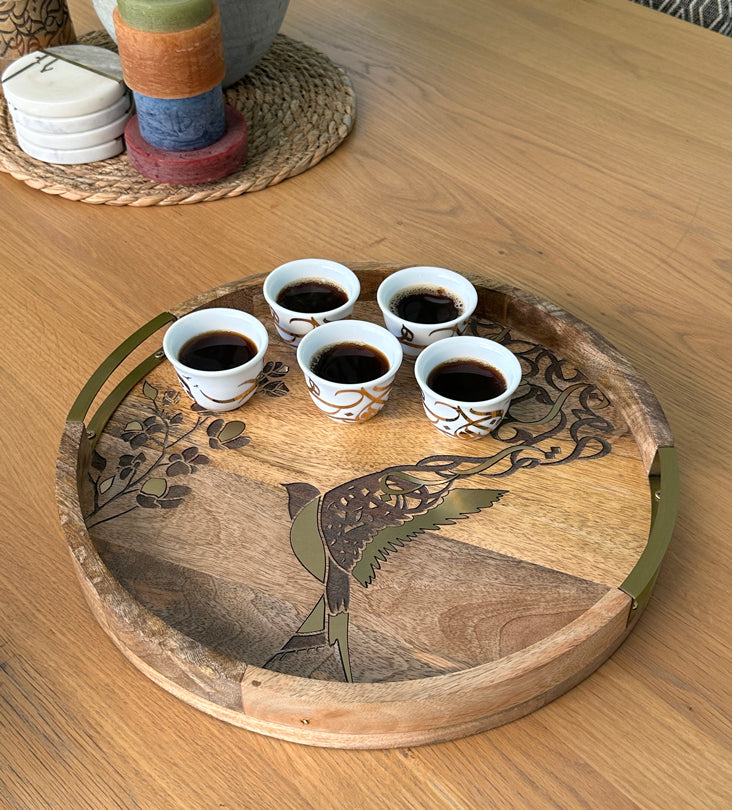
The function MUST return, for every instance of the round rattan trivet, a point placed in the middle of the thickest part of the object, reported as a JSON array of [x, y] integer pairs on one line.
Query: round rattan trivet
[[299, 106]]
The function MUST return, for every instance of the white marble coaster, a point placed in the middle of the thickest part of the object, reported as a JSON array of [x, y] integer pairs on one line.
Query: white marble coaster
[[71, 156], [64, 81], [78, 123], [101, 60], [74, 140]]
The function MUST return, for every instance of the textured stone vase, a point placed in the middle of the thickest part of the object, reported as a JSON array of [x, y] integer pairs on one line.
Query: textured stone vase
[[248, 28], [27, 25]]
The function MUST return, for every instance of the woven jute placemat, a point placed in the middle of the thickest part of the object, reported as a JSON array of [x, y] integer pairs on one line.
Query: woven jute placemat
[[299, 106]]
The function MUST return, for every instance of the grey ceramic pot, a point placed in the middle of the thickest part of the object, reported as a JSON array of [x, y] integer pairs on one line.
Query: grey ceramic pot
[[248, 28]]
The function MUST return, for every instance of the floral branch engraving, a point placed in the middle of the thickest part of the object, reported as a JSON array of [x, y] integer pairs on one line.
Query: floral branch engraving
[[162, 450]]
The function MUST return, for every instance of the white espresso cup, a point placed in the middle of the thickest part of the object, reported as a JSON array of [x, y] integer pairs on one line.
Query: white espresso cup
[[453, 375], [221, 389], [344, 398], [292, 323], [397, 289]]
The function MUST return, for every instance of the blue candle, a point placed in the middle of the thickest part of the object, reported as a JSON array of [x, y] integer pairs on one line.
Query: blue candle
[[182, 124]]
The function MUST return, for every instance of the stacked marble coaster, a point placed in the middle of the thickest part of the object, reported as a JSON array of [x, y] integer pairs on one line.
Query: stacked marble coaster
[[68, 103], [172, 58]]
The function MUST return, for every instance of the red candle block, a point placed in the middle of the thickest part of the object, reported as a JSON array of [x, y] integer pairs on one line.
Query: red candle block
[[176, 64], [191, 167]]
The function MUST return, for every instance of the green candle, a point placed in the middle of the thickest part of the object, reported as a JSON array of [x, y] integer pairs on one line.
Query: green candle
[[161, 16]]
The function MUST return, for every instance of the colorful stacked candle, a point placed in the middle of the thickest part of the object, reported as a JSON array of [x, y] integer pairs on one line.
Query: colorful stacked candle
[[172, 58]]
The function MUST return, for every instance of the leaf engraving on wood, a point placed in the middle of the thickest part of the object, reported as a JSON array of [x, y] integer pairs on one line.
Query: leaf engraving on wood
[[142, 480]]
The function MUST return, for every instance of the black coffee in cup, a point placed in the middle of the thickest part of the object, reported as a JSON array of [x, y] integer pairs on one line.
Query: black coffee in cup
[[466, 380], [349, 363], [217, 351], [312, 295], [426, 304]]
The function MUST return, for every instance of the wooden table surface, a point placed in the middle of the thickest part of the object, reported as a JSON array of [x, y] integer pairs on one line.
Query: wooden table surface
[[581, 150]]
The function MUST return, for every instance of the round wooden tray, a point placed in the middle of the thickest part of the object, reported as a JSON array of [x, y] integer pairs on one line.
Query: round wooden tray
[[378, 584]]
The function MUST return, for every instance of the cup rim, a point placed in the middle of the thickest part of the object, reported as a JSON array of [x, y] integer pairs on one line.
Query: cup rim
[[270, 298], [469, 305], [465, 340], [373, 327], [262, 341]]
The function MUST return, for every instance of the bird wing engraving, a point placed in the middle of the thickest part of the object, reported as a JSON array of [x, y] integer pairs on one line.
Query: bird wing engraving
[[456, 505], [351, 514]]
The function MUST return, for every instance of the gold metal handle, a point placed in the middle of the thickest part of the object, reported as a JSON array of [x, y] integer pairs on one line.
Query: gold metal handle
[[88, 393], [664, 483]]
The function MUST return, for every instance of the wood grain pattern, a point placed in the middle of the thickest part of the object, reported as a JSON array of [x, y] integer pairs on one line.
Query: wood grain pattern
[[579, 150]]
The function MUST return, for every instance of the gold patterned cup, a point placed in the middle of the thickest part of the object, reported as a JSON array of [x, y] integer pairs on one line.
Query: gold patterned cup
[[340, 399], [464, 417], [293, 324], [29, 25], [228, 388], [415, 334]]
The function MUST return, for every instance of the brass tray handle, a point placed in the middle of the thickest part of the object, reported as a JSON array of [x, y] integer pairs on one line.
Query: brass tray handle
[[664, 484], [89, 392]]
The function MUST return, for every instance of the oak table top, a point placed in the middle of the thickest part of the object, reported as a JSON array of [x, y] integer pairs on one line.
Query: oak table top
[[578, 150]]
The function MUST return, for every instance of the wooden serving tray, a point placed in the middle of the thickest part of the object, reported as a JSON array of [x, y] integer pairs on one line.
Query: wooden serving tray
[[378, 584]]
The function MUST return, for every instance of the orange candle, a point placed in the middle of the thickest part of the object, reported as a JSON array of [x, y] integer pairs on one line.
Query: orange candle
[[176, 64]]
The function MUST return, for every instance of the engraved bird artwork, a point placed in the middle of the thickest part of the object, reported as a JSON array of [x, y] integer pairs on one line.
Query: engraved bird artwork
[[347, 533]]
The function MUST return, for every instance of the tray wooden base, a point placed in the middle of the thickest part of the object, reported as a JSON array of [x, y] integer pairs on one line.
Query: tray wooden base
[[378, 584]]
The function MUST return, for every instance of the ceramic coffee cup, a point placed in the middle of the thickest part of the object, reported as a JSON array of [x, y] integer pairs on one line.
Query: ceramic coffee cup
[[218, 355], [349, 368], [421, 305], [306, 293], [467, 384]]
